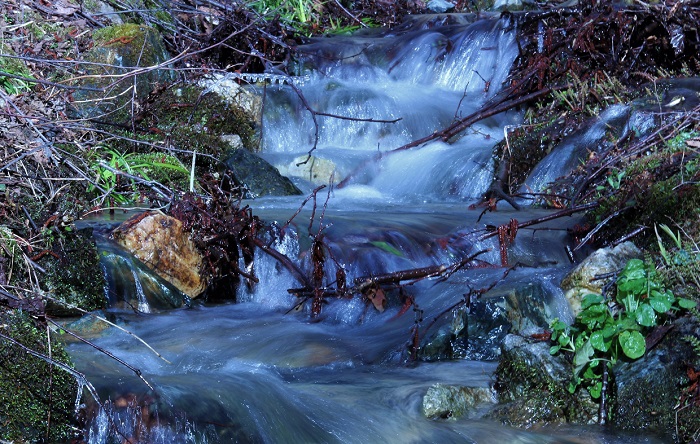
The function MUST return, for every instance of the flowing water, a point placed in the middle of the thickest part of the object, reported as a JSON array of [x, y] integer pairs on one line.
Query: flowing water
[[254, 371]]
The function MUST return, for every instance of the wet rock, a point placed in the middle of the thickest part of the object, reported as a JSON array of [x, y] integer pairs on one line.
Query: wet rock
[[478, 334], [87, 327], [316, 170], [160, 242], [532, 387], [648, 389], [582, 279], [231, 91], [131, 284], [452, 401], [258, 176]]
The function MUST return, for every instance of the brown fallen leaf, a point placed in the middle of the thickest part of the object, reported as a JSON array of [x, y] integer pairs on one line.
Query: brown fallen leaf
[[378, 298]]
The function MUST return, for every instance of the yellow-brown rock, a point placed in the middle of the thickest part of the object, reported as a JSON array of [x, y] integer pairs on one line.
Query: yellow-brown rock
[[160, 242]]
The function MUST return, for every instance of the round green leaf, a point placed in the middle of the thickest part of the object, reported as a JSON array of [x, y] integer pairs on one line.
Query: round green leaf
[[598, 341], [646, 315], [632, 343]]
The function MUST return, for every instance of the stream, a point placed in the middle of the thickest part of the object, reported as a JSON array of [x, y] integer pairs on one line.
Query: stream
[[255, 372]]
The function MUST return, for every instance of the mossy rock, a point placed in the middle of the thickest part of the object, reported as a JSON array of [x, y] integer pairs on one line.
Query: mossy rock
[[119, 50], [662, 373], [532, 387], [37, 399], [195, 119], [75, 277]]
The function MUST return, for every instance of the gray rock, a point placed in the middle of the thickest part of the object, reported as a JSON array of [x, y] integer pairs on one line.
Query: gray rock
[[525, 308], [121, 50], [232, 92], [453, 401], [260, 178], [440, 6]]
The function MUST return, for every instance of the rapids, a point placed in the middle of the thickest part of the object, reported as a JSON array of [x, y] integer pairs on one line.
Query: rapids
[[255, 372]]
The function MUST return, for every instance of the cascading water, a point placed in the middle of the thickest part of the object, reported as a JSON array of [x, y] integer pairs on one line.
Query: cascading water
[[256, 372]]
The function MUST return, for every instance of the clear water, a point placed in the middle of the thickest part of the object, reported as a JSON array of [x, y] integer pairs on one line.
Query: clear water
[[256, 372]]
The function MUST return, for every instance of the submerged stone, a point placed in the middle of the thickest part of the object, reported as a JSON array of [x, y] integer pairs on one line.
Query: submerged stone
[[160, 242], [316, 170]]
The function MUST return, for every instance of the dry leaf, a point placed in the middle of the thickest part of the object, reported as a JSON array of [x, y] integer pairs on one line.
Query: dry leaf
[[693, 143], [376, 295]]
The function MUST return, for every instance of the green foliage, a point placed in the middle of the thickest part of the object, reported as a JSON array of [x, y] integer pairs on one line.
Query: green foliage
[[15, 67], [693, 340], [307, 16], [681, 260], [122, 189], [606, 330]]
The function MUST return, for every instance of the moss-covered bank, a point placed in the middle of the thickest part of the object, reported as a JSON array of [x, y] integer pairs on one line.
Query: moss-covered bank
[[37, 399]]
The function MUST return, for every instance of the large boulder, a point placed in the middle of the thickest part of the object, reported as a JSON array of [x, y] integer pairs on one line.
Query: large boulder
[[160, 242]]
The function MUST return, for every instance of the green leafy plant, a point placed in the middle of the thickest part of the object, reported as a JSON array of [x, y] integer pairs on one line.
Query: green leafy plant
[[13, 67], [607, 329], [109, 166], [299, 14]]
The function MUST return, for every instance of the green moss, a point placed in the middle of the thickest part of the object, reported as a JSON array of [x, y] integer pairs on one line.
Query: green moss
[[75, 276], [37, 399], [126, 33], [518, 381], [532, 388], [195, 121]]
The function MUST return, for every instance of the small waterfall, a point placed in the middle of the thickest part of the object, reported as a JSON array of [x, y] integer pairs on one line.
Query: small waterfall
[[427, 78]]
